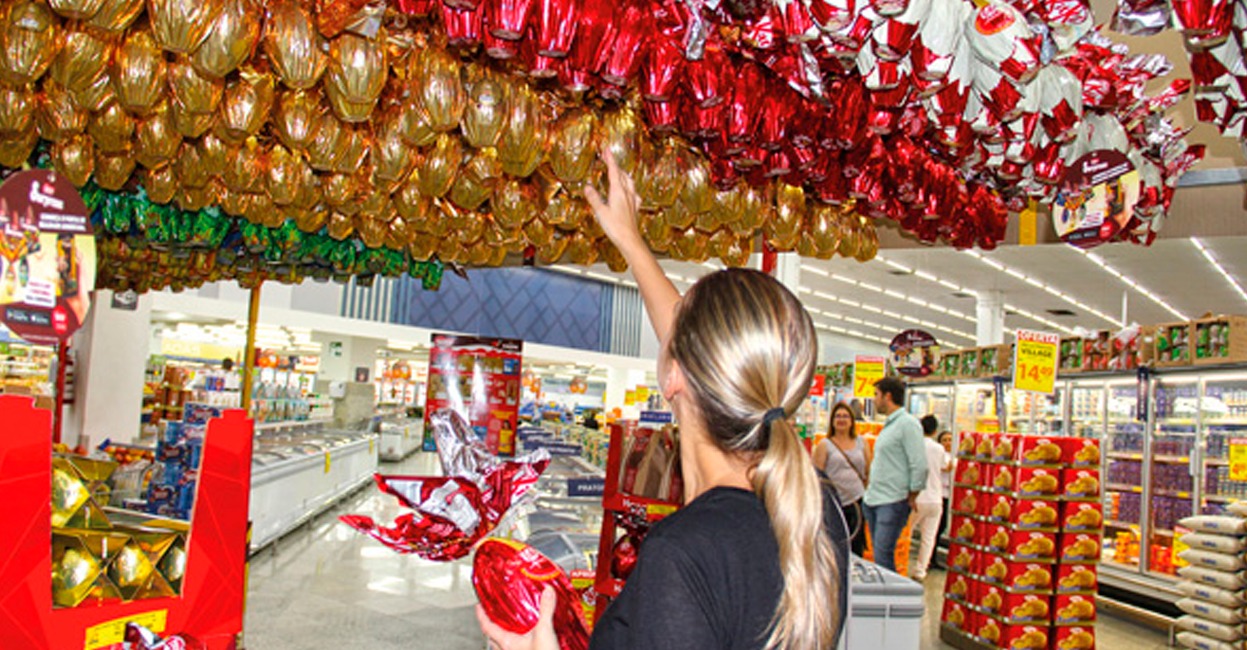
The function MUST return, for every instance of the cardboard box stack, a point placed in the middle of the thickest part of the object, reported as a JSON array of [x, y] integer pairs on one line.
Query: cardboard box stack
[[171, 492], [1026, 533], [1213, 582]]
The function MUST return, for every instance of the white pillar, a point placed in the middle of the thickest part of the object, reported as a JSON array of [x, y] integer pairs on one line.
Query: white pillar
[[788, 271], [111, 362], [990, 317]]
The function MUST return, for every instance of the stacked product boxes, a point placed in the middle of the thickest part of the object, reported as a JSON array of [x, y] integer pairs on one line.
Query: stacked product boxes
[[1213, 582], [1026, 534], [171, 492]]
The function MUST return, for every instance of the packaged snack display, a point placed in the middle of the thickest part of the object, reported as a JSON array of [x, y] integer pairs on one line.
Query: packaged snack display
[[1077, 608], [1197, 641], [1220, 524], [1231, 581], [1213, 560], [956, 614], [1211, 611], [967, 474], [1026, 563], [1226, 597]]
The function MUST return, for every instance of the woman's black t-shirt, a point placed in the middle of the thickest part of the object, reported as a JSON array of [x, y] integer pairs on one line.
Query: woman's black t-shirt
[[708, 576]]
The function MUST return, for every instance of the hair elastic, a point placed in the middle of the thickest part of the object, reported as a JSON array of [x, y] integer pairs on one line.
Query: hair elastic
[[772, 415]]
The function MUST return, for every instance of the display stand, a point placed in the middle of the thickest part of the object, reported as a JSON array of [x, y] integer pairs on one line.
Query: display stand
[[211, 605], [614, 501]]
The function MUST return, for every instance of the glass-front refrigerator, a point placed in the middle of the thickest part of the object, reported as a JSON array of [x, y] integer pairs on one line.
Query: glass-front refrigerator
[[1087, 398], [935, 399], [1223, 417], [1172, 484], [1124, 437], [974, 407]]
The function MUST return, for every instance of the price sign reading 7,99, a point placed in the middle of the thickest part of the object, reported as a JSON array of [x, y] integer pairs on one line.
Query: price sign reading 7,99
[[1035, 361], [866, 371]]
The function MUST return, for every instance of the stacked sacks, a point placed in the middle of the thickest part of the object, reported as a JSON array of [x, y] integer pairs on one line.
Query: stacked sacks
[[1214, 581]]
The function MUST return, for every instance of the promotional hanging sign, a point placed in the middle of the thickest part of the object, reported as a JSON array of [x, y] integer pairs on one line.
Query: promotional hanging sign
[[1096, 198], [914, 353], [1035, 361], [480, 378], [47, 257], [1238, 459], [866, 371]]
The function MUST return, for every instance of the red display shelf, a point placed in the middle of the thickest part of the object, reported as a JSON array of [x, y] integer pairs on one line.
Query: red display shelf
[[213, 590]]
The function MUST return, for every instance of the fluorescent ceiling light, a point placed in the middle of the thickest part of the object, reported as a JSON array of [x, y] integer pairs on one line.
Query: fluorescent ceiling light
[[1057, 294], [1233, 281], [1130, 282]]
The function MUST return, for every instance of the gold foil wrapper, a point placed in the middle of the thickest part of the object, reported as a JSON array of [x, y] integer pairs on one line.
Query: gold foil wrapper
[[485, 113], [357, 74], [16, 150], [74, 158], [573, 146], [158, 141], [189, 167], [440, 166], [28, 42], [193, 91], [115, 16], [82, 57], [180, 26], [112, 170], [439, 89], [245, 106], [231, 39], [138, 73], [297, 117], [17, 110], [293, 45], [57, 115]]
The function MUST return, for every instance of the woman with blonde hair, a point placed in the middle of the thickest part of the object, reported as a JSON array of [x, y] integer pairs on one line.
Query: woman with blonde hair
[[757, 556]]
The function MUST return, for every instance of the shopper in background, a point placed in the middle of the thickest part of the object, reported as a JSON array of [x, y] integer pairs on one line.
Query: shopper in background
[[945, 438], [845, 460], [898, 472], [926, 518], [757, 557]]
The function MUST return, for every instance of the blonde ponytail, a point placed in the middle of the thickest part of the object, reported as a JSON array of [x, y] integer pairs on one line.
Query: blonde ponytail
[[747, 348], [808, 614]]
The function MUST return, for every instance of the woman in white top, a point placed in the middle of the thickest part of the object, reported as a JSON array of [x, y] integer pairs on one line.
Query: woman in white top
[[845, 460], [930, 502]]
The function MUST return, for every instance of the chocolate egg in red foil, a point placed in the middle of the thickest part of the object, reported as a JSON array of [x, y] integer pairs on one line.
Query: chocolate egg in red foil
[[509, 578]]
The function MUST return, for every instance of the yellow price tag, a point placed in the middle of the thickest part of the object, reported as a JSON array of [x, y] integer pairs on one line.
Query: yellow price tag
[[629, 397], [866, 372], [642, 393], [1179, 547], [326, 462], [1028, 224], [1035, 361], [1238, 459], [112, 632], [659, 510]]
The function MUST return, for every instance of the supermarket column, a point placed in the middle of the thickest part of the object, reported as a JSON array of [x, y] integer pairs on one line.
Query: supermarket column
[[989, 314], [111, 356], [341, 357]]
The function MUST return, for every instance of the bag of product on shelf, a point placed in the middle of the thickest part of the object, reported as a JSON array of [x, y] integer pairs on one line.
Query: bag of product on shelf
[[1212, 629], [1232, 616], [1212, 577], [1238, 508], [1213, 560], [1196, 641], [1218, 524], [1217, 595]]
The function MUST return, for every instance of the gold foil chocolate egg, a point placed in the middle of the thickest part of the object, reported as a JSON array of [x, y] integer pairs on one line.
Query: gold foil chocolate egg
[[307, 220], [421, 248], [520, 146], [476, 180], [357, 74], [614, 259], [188, 124], [231, 39], [17, 110], [411, 204], [76, 9], [189, 167], [737, 255], [130, 567], [296, 118], [97, 94], [214, 153], [69, 494], [74, 158], [441, 165], [414, 126], [340, 192], [161, 184], [582, 250], [15, 150], [550, 253], [156, 138], [82, 57], [116, 15], [869, 246], [356, 145], [697, 195], [293, 45], [514, 203], [340, 226], [660, 185], [73, 575], [57, 115], [28, 41], [485, 113], [286, 174], [327, 142], [371, 231], [113, 170], [246, 169], [138, 73], [193, 91], [572, 145], [622, 136], [194, 199], [440, 89], [245, 106], [180, 26], [537, 232], [656, 230]]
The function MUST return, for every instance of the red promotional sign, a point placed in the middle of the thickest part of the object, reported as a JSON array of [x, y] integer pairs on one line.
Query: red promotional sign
[[47, 257], [914, 353], [1096, 199], [479, 378]]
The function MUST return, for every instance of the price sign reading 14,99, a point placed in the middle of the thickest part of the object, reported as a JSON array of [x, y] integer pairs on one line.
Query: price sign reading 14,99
[[1035, 361]]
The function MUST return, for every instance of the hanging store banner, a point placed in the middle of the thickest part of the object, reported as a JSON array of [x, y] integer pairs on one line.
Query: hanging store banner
[[866, 371], [480, 378], [914, 353], [1035, 361], [47, 257], [1096, 198]]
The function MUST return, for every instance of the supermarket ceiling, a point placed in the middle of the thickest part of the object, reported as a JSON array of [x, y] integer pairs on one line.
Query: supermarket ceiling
[[935, 288]]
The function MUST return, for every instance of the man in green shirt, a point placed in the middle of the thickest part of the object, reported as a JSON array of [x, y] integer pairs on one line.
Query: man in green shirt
[[897, 474]]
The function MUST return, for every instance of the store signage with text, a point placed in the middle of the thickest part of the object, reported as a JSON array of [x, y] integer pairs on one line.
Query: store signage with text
[[1238, 459], [866, 372], [1035, 361]]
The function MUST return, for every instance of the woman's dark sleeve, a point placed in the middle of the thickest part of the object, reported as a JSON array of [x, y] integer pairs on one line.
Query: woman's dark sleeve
[[837, 529], [662, 606]]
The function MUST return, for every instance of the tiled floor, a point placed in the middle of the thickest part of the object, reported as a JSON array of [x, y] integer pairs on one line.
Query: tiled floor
[[325, 586]]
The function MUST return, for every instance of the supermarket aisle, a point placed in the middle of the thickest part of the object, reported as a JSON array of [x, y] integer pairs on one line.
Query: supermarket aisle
[[326, 586], [1111, 633]]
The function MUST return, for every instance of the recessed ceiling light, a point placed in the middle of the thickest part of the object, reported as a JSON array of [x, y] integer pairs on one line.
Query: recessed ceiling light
[[1212, 260]]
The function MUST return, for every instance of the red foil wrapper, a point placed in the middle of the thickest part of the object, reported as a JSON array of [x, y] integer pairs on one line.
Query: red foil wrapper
[[535, 64], [660, 73], [747, 96], [463, 26], [416, 7], [498, 47], [661, 116], [138, 637], [595, 36], [507, 18], [1204, 23], [624, 58], [510, 577], [706, 80], [832, 15], [556, 27]]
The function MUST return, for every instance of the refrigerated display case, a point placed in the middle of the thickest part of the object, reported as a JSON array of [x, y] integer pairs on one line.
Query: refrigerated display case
[[936, 399], [1223, 417], [1124, 437], [1170, 499], [974, 407]]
